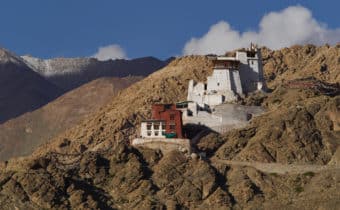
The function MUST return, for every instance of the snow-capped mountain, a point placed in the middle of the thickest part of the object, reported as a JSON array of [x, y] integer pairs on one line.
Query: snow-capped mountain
[[57, 66], [69, 73]]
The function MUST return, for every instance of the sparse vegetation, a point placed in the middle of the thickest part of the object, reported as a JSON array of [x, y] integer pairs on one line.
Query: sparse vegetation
[[309, 174], [298, 189], [274, 174], [298, 179], [276, 101]]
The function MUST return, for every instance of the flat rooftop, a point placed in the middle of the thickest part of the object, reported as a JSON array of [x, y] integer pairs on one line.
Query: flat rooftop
[[151, 120], [225, 58]]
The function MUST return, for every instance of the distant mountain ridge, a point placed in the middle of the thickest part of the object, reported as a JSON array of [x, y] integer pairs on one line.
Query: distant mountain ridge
[[69, 73], [21, 89], [32, 129], [27, 83]]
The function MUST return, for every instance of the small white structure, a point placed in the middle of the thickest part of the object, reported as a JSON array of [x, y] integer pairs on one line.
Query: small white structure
[[152, 135], [152, 129]]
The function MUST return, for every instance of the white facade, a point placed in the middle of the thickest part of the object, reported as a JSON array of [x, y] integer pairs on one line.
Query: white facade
[[251, 71], [242, 75], [152, 136], [152, 129], [232, 77], [224, 117]]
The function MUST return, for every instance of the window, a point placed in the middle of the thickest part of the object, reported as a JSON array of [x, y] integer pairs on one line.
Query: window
[[156, 125], [172, 116], [162, 126], [148, 126], [218, 84], [173, 127], [148, 133], [190, 113], [156, 133]]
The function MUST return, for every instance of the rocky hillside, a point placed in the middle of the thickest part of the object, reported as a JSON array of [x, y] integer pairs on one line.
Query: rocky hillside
[[21, 89], [20, 136], [299, 61], [299, 127], [92, 166], [69, 73]]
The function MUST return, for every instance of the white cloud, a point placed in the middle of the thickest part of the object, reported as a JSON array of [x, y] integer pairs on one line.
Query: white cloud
[[293, 25], [113, 51]]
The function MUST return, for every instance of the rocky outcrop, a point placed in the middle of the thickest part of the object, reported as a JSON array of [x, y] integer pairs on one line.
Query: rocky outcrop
[[164, 145], [301, 61], [296, 129]]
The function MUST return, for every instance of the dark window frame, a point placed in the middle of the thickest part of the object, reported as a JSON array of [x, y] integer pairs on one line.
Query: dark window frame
[[172, 116]]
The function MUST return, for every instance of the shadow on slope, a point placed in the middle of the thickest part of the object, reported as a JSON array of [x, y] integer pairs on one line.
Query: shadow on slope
[[21, 89]]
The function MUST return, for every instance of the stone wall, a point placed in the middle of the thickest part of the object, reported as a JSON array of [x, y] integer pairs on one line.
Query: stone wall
[[165, 145], [224, 117], [219, 80]]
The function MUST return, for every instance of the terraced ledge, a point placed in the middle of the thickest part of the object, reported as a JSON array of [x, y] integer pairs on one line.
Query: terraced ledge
[[279, 168], [165, 145]]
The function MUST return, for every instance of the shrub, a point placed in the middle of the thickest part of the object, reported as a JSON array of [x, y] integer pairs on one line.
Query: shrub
[[274, 174], [298, 189], [309, 173]]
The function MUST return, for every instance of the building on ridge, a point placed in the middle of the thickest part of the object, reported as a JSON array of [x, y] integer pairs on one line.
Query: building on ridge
[[206, 106], [232, 77], [166, 122], [164, 131]]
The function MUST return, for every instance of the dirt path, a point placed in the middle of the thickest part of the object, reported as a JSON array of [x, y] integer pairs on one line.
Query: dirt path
[[278, 168]]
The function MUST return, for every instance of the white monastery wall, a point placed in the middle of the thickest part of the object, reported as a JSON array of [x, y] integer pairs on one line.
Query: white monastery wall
[[219, 81], [237, 82], [224, 117], [225, 84], [213, 99], [151, 133]]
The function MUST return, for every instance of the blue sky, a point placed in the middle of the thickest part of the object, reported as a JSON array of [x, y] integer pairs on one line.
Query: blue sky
[[77, 28]]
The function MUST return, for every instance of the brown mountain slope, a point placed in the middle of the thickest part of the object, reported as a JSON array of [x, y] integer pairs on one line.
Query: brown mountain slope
[[20, 136], [301, 61], [92, 167], [170, 85], [118, 119], [300, 127]]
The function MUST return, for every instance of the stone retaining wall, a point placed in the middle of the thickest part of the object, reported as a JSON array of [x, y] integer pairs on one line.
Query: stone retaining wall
[[165, 145]]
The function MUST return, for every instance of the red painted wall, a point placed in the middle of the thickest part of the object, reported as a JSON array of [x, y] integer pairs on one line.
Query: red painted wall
[[171, 116]]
